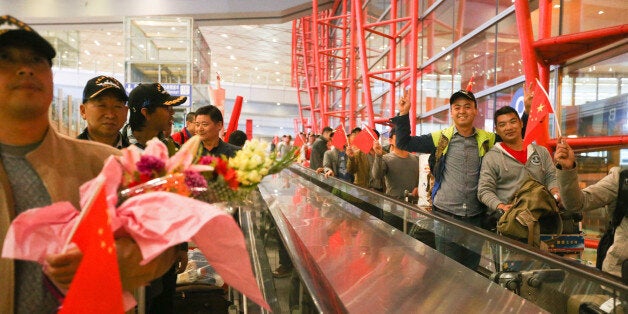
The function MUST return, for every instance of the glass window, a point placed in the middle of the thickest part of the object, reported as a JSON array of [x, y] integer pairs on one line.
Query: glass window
[[437, 83], [579, 16], [438, 29], [509, 60], [503, 5], [593, 97], [484, 118], [470, 14], [475, 60], [435, 122]]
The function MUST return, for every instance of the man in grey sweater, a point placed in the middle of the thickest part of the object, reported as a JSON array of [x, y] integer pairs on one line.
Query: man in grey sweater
[[399, 169], [508, 164]]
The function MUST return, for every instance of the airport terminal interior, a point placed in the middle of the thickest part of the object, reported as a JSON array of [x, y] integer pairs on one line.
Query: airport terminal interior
[[294, 67]]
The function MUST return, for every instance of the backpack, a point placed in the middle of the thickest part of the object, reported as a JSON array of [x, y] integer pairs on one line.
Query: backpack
[[533, 207], [620, 212]]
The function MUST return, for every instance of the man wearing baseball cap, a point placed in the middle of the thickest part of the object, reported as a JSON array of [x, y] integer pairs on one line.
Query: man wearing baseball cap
[[459, 149], [38, 166], [104, 108], [152, 112]]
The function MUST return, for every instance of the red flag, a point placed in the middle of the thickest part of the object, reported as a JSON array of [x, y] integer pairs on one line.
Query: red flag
[[470, 84], [96, 287], [298, 140], [364, 140], [339, 140], [539, 111]]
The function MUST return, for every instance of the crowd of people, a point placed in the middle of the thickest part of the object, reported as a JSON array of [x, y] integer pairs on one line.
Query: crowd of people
[[31, 176], [483, 168]]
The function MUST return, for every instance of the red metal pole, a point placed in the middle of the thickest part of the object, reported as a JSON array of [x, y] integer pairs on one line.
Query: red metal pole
[[392, 54], [526, 39], [317, 65], [414, 62], [235, 116], [366, 85], [353, 88]]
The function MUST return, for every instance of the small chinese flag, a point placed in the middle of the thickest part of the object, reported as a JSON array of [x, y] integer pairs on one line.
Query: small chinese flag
[[298, 141], [364, 140], [539, 111], [96, 287], [339, 140]]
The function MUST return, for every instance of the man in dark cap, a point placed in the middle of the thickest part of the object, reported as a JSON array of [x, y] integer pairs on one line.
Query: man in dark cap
[[104, 108], [38, 166], [152, 113]]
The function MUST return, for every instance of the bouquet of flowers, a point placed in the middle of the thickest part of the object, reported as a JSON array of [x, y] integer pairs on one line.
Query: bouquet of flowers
[[234, 178], [147, 196], [208, 178]]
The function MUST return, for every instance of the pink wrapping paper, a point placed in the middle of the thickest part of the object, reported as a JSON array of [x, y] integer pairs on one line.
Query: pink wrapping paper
[[155, 220]]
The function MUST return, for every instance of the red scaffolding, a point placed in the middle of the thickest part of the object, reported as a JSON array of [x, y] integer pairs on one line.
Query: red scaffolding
[[330, 47]]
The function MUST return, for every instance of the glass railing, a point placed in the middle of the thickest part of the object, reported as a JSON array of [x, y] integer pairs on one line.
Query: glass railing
[[357, 251]]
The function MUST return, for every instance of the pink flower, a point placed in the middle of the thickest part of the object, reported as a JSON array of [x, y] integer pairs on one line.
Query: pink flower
[[151, 166], [156, 148], [194, 179]]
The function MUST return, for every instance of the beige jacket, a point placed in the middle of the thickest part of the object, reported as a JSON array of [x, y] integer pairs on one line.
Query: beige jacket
[[602, 193], [64, 164]]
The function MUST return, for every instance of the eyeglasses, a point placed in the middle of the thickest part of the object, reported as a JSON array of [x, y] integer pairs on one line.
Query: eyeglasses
[[9, 60]]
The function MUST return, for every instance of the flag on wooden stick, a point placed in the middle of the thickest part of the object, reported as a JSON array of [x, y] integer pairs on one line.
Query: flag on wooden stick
[[96, 287], [539, 112]]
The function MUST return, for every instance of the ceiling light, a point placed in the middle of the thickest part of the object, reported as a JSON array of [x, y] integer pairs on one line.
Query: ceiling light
[[274, 40], [96, 42], [232, 57], [109, 55], [277, 73], [235, 68], [276, 62], [256, 68], [173, 28], [119, 43], [87, 52], [229, 47], [278, 104], [224, 35], [215, 64], [119, 64], [600, 12], [108, 33]]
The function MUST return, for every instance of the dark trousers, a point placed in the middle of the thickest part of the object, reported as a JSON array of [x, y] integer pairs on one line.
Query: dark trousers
[[448, 240], [162, 302]]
